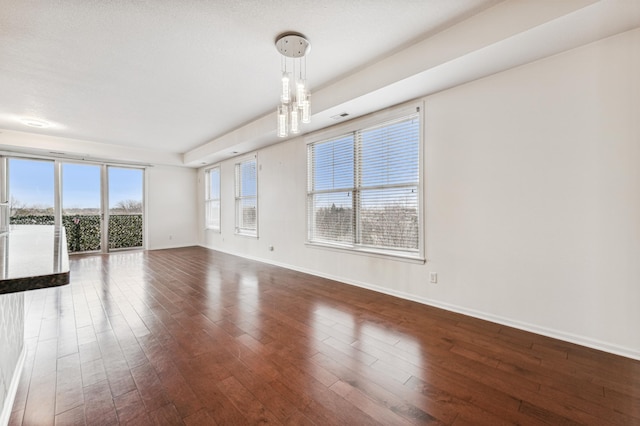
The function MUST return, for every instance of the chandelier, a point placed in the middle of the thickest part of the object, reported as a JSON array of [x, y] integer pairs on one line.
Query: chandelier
[[295, 102]]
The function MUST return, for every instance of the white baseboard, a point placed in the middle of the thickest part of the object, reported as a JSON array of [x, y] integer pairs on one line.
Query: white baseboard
[[556, 334], [170, 246], [5, 415]]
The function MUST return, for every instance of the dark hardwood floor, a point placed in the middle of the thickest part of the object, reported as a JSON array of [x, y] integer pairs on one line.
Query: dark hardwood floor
[[196, 337]]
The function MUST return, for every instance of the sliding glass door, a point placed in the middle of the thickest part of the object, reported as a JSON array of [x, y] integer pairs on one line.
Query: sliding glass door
[[31, 192], [82, 206], [100, 206], [125, 207]]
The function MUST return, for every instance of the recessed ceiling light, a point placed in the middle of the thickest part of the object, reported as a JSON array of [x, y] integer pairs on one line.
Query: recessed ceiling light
[[34, 122]]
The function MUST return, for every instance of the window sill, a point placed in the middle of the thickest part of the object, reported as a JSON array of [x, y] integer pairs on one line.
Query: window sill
[[370, 252], [246, 234]]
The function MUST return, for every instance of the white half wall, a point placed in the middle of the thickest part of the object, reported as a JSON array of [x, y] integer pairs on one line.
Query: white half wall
[[532, 201], [171, 205], [11, 350]]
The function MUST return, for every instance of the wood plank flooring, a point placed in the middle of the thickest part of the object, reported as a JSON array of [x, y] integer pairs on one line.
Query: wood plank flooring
[[195, 337]]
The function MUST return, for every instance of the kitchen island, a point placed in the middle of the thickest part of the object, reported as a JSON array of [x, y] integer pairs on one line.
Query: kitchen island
[[33, 257]]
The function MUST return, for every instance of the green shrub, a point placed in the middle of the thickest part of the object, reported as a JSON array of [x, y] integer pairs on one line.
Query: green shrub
[[125, 231], [31, 219], [83, 231]]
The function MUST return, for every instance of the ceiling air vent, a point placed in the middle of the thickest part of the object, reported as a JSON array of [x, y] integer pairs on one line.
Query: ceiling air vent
[[340, 116]]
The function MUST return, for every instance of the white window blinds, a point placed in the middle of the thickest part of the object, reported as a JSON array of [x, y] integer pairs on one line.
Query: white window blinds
[[330, 196], [246, 180], [364, 188], [212, 199]]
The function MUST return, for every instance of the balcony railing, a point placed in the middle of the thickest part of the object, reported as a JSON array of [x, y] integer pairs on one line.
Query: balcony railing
[[83, 231]]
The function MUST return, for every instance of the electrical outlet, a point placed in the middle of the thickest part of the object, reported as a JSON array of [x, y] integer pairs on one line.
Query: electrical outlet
[[433, 277]]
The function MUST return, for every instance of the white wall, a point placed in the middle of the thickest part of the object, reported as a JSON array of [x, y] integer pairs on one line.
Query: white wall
[[532, 194], [535, 194], [171, 203], [11, 345]]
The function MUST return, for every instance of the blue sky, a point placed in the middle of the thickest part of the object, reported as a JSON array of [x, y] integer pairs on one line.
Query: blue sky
[[31, 183]]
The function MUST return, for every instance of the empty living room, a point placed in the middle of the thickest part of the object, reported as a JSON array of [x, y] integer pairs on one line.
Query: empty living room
[[320, 213]]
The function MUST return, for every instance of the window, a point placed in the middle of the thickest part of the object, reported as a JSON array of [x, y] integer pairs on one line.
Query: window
[[247, 197], [363, 188], [212, 199]]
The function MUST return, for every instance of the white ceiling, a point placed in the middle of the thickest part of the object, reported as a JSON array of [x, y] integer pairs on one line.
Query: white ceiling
[[172, 75], [194, 81]]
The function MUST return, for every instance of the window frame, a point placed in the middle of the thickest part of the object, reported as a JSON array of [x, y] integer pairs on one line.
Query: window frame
[[355, 126], [239, 197], [208, 199]]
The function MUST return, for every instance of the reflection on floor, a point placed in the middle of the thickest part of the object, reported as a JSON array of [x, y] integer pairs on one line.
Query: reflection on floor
[[193, 336]]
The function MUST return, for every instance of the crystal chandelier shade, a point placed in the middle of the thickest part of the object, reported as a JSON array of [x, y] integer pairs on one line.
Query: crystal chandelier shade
[[295, 97]]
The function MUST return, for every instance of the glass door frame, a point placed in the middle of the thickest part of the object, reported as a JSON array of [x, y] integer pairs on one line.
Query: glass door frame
[[104, 208], [4, 198], [106, 211], [104, 201], [57, 195], [58, 187]]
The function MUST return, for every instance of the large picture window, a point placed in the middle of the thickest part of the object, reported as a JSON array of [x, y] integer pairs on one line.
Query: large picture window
[[246, 179], [212, 199], [364, 188]]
